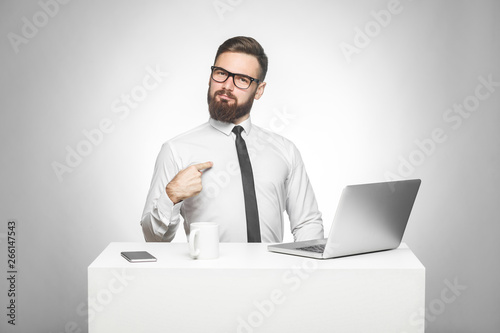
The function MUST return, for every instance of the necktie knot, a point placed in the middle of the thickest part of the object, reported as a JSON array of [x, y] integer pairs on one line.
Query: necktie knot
[[237, 130]]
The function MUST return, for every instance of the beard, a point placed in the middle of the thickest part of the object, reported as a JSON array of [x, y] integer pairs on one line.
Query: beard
[[225, 112]]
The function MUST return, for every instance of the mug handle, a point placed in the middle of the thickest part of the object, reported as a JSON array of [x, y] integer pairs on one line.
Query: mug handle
[[193, 249]]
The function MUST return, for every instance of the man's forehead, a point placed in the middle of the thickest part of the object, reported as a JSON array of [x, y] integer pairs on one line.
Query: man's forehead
[[240, 63]]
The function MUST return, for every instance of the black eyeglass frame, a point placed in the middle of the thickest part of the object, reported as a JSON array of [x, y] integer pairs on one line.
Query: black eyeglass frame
[[229, 74]]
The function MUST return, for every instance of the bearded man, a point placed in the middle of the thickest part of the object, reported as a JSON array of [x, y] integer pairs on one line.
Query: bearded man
[[229, 170]]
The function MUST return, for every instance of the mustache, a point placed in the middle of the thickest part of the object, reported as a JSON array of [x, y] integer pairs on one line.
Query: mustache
[[225, 92]]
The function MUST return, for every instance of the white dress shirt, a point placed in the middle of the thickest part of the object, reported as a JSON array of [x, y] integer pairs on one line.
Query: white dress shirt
[[281, 183]]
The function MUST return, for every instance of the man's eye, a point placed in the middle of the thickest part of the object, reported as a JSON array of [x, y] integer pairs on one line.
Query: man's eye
[[221, 73], [243, 79]]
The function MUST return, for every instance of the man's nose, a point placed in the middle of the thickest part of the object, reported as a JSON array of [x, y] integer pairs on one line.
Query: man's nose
[[229, 83]]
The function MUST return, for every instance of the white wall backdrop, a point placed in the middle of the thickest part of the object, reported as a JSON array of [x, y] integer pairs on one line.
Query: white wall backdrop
[[368, 90]]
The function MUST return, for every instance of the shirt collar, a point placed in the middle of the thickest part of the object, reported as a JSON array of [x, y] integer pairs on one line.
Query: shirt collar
[[227, 128]]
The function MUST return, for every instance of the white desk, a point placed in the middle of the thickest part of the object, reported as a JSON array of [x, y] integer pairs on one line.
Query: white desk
[[249, 289]]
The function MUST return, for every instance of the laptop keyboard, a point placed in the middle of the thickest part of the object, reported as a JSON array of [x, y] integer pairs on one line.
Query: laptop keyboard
[[314, 248]]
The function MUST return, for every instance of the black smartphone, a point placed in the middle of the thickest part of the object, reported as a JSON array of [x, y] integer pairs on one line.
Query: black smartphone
[[138, 256]]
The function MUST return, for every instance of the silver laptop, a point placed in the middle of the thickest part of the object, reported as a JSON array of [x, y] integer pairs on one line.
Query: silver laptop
[[369, 218]]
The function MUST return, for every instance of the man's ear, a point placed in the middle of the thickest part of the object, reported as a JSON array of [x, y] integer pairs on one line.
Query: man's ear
[[260, 90]]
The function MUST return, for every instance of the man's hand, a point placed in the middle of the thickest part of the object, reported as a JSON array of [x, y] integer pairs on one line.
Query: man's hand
[[187, 183]]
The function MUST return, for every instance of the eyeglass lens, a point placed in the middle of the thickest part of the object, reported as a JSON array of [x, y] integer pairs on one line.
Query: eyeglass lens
[[240, 81]]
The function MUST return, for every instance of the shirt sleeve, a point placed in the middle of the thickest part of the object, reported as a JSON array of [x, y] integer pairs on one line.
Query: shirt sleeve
[[305, 218], [160, 218]]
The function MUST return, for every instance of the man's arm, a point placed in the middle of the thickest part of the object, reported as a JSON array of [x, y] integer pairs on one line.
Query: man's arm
[[169, 187], [305, 218], [160, 218]]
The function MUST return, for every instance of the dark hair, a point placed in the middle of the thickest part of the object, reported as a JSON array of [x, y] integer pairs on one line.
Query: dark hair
[[246, 45]]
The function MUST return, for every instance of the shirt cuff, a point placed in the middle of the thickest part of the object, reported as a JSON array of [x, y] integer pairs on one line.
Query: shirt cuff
[[168, 212]]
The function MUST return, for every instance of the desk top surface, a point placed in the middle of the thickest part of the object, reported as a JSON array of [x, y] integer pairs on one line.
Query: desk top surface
[[248, 256]]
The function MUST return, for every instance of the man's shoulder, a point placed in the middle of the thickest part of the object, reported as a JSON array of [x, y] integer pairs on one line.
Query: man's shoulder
[[277, 143], [272, 137], [192, 134]]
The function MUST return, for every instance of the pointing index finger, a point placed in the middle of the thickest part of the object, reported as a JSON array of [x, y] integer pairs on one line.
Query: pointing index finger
[[203, 166]]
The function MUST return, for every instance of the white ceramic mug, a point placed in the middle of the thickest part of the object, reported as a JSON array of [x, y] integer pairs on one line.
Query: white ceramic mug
[[204, 240]]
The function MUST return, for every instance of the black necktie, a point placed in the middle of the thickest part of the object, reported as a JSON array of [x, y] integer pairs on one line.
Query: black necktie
[[253, 228]]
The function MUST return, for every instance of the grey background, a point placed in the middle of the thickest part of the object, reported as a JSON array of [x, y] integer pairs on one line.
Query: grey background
[[355, 119]]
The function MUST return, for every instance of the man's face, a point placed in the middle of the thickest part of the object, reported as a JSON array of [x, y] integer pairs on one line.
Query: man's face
[[226, 102]]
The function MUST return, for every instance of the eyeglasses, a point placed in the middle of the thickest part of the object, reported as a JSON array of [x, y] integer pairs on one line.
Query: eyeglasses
[[240, 80]]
